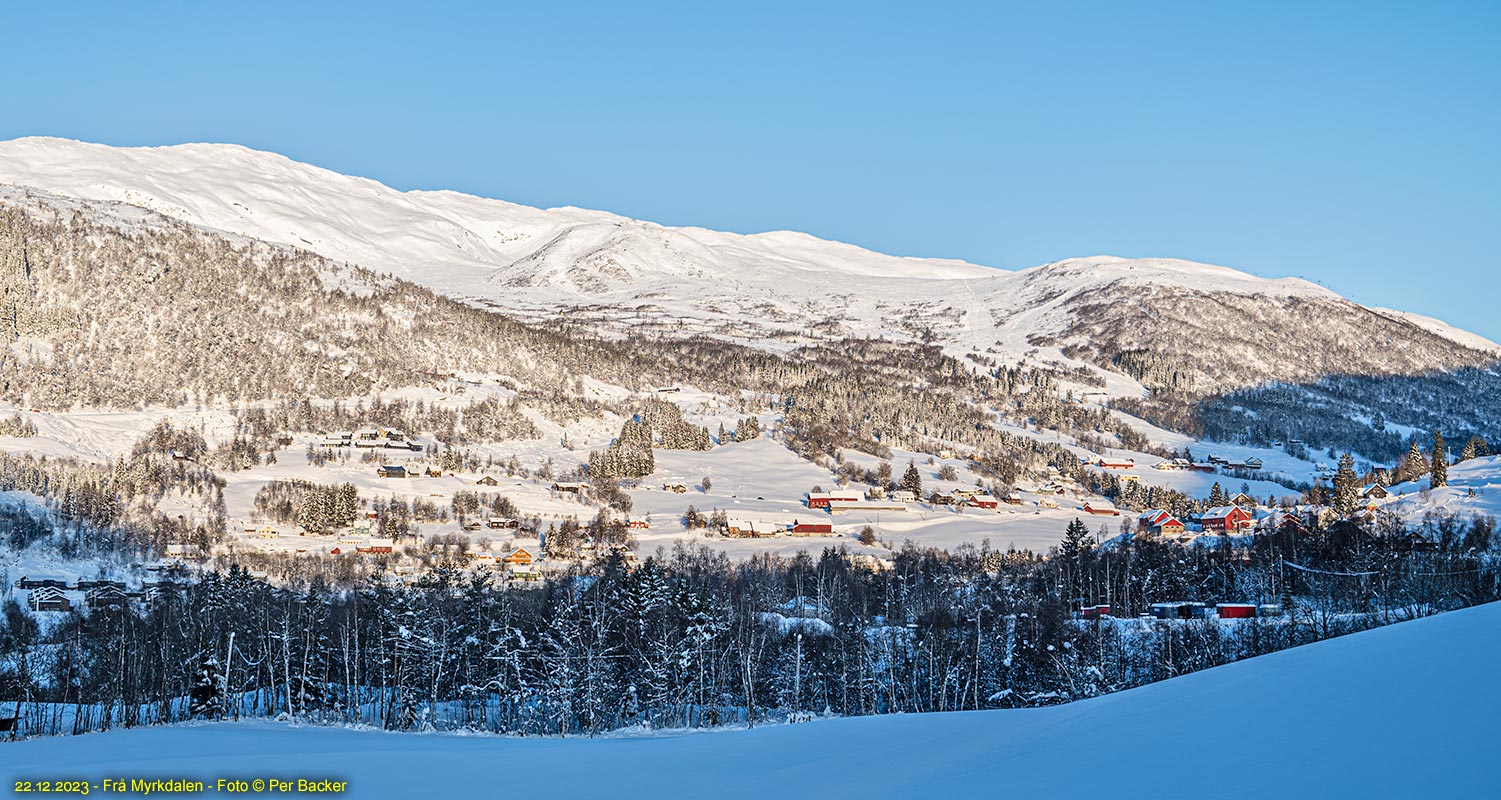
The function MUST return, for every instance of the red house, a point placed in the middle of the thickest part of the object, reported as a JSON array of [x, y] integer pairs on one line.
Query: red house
[[1226, 519], [638, 523], [1159, 522], [1100, 508], [984, 501], [812, 528]]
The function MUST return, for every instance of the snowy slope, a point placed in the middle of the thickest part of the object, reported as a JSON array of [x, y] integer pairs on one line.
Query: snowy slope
[[619, 272], [1358, 716]]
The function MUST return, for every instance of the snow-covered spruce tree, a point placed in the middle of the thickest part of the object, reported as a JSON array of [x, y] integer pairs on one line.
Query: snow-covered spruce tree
[[1216, 495], [209, 697], [1343, 491], [1415, 466], [912, 479], [1439, 473]]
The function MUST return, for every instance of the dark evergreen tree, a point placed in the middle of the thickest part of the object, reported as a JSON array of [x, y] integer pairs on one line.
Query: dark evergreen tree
[[209, 697], [1439, 473]]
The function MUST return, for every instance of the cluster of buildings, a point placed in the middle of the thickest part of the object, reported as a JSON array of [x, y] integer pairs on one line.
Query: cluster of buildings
[[1243, 516], [49, 593], [1211, 464], [843, 500], [371, 438]]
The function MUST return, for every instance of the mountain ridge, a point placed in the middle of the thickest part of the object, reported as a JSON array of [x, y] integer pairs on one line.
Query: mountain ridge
[[614, 272]]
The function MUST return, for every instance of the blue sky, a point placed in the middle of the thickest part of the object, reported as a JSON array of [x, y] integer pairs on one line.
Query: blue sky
[[1353, 144]]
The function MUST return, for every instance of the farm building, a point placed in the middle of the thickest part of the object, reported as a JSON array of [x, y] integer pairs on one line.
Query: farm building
[[811, 528], [1235, 610], [500, 523], [1203, 466], [1243, 500], [486, 480], [392, 471], [572, 487], [1100, 508], [1047, 502], [375, 546], [638, 523], [984, 501], [903, 496], [839, 506], [823, 499], [750, 529], [1116, 463]]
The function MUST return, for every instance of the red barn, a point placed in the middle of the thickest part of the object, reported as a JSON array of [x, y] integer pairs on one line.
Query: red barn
[[812, 528], [1100, 508], [1116, 463], [984, 501]]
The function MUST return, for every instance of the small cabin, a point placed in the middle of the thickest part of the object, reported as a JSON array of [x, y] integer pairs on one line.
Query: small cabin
[[1235, 610], [639, 524], [392, 471], [486, 480], [571, 487]]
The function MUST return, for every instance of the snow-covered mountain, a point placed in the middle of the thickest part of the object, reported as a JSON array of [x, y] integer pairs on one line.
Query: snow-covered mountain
[[1205, 327]]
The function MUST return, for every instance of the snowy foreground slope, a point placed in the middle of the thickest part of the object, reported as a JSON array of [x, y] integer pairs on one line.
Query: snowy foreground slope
[[1403, 711]]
